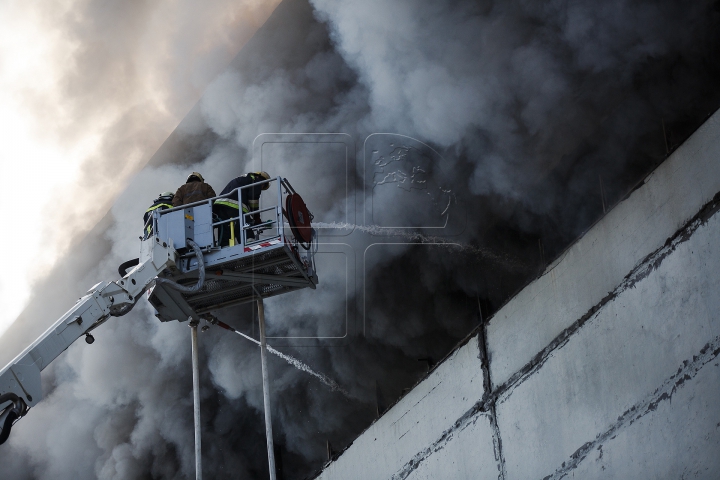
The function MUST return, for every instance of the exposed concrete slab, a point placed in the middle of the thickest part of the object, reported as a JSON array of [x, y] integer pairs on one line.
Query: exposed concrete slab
[[635, 342], [468, 453], [671, 442], [418, 420], [598, 262]]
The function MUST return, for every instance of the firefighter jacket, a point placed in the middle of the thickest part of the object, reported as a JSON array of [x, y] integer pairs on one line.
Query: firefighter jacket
[[160, 203], [250, 196], [192, 192]]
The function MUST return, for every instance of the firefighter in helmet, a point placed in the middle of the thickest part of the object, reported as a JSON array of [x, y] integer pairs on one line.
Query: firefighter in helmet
[[194, 190], [232, 207], [163, 202]]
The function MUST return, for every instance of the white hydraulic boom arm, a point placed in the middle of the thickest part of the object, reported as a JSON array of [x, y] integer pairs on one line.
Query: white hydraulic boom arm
[[20, 386]]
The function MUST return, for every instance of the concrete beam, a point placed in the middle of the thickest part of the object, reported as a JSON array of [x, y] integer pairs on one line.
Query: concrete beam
[[660, 328], [597, 263], [392, 442]]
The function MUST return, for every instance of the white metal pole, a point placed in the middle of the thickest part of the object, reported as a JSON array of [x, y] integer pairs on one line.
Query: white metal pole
[[196, 399], [266, 390]]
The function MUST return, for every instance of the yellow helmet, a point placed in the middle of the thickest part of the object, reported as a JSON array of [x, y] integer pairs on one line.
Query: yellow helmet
[[266, 176], [196, 175]]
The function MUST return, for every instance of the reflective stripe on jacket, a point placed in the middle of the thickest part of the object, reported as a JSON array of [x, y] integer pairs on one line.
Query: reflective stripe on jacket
[[161, 204], [156, 206], [229, 202]]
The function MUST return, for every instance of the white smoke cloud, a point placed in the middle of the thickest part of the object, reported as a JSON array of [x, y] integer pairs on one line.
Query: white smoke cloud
[[90, 90]]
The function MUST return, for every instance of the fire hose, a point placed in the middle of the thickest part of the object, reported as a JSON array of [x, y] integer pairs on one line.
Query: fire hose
[[10, 414], [174, 285], [201, 273]]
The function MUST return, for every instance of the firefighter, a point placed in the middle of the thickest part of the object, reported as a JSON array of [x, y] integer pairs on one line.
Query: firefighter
[[194, 190], [163, 202], [230, 207]]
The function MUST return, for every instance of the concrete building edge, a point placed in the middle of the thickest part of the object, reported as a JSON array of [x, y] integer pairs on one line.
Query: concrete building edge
[[486, 405]]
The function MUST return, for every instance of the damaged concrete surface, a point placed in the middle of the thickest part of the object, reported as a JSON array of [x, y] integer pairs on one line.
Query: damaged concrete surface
[[407, 428], [605, 366], [597, 263], [657, 330]]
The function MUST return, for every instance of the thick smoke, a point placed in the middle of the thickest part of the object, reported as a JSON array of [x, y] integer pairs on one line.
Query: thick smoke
[[524, 120], [119, 78]]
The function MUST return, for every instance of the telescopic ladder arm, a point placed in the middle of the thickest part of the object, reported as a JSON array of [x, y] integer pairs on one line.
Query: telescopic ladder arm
[[20, 387]]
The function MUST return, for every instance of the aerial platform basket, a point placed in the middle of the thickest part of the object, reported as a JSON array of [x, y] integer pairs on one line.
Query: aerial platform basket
[[263, 259]]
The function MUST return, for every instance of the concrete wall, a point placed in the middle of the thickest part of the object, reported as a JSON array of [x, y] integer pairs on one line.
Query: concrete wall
[[606, 366]]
